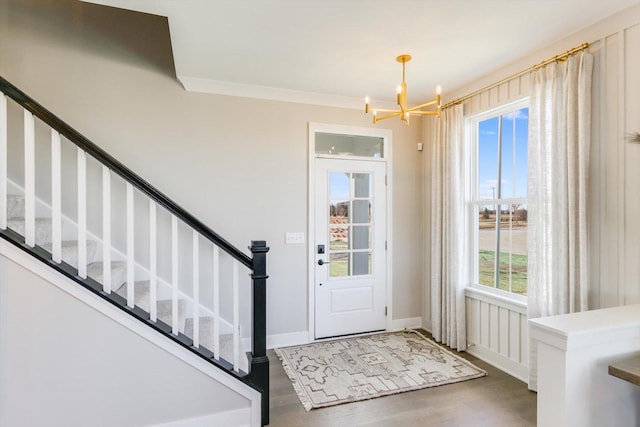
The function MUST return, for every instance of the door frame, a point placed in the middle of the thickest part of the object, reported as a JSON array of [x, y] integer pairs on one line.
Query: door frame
[[386, 134]]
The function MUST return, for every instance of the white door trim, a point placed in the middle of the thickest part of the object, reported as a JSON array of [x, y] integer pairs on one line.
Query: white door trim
[[387, 158]]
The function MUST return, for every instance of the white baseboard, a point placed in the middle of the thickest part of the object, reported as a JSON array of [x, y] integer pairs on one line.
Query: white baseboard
[[501, 362], [234, 418], [409, 323], [288, 339], [302, 337]]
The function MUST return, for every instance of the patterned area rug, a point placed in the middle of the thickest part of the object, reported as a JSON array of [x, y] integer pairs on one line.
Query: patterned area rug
[[347, 370]]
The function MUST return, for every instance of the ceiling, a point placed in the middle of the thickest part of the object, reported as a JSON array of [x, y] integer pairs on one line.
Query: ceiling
[[335, 52]]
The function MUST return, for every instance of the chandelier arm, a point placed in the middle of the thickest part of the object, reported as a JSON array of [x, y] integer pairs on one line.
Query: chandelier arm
[[425, 113], [388, 116], [426, 104], [379, 110]]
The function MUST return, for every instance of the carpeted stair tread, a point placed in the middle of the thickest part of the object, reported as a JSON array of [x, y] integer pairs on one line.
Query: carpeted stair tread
[[43, 229], [206, 337], [118, 273], [15, 206], [70, 251], [141, 293]]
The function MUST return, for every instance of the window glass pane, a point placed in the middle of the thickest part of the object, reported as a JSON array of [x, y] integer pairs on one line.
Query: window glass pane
[[506, 157], [361, 237], [513, 249], [339, 266], [339, 238], [487, 245], [349, 145], [339, 185], [362, 185], [361, 263], [514, 153], [361, 212], [521, 159], [487, 158]]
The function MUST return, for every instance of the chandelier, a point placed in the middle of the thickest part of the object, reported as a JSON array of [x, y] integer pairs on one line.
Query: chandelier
[[404, 112]]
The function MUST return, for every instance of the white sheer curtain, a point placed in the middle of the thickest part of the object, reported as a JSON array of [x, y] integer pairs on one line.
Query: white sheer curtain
[[448, 262], [559, 138]]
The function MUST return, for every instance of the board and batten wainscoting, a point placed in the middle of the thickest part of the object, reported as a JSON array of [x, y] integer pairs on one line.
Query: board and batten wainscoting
[[497, 331]]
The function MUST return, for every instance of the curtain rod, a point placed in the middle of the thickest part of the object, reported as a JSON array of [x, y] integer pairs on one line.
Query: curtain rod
[[561, 57]]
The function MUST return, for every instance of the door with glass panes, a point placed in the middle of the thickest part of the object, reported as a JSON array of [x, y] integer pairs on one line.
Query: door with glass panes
[[350, 261]]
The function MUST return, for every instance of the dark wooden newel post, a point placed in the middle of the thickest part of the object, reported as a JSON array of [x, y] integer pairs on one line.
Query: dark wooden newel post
[[259, 362]]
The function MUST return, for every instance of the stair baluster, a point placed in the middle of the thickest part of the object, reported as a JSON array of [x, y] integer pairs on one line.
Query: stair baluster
[[106, 229], [82, 214], [216, 302], [174, 275], [153, 262], [236, 318], [56, 197], [29, 180], [130, 248], [196, 289], [3, 161]]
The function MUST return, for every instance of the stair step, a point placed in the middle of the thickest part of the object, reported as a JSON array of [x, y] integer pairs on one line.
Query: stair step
[[141, 293], [118, 273], [70, 251], [15, 206], [43, 229], [206, 337]]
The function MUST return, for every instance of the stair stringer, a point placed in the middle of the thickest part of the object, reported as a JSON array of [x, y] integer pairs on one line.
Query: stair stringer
[[67, 285]]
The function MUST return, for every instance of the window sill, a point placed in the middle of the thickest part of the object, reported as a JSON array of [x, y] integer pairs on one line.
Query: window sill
[[513, 302]]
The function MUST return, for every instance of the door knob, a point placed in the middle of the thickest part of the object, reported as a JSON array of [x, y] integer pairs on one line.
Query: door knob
[[322, 262]]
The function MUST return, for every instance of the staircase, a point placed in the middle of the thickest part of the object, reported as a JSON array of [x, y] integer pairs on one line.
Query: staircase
[[133, 255]]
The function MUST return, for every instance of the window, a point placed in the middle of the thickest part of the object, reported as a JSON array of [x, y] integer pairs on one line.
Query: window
[[499, 198], [349, 145]]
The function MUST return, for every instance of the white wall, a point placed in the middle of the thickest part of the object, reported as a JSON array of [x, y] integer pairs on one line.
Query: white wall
[[239, 165], [63, 363]]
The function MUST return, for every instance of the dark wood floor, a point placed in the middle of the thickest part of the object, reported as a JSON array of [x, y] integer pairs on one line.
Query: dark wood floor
[[495, 400]]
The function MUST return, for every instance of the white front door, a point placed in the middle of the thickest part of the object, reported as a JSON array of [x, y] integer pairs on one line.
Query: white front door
[[350, 258]]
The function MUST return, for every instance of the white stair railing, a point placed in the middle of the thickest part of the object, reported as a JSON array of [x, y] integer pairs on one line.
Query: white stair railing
[[209, 289], [113, 235]]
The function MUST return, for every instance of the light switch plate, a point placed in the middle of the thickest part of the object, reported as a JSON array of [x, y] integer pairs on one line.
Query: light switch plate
[[291, 238]]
